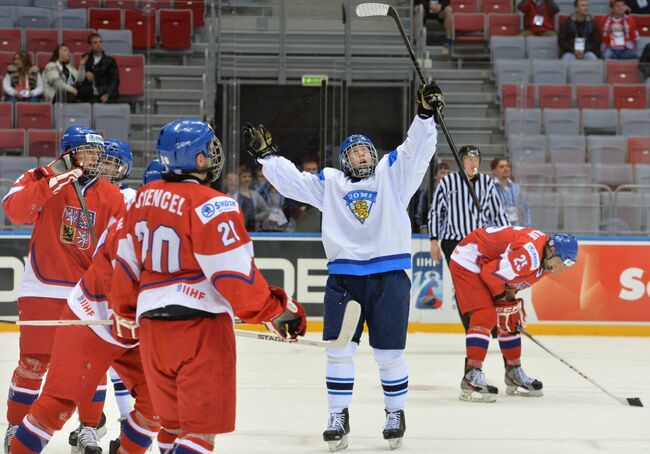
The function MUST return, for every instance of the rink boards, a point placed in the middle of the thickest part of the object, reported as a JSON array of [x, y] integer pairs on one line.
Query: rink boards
[[606, 293]]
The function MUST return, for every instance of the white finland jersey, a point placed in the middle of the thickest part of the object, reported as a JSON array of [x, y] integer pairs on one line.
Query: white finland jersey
[[366, 228]]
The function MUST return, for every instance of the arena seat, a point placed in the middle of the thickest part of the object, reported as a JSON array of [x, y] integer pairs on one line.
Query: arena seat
[[31, 115]]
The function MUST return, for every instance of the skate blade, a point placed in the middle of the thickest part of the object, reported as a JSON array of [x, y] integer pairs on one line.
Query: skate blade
[[395, 443], [75, 450], [517, 391], [101, 431], [338, 445], [475, 396]]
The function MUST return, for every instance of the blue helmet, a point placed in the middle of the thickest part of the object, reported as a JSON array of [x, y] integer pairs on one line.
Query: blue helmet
[[153, 172], [119, 154], [82, 138], [348, 164], [566, 247], [181, 141]]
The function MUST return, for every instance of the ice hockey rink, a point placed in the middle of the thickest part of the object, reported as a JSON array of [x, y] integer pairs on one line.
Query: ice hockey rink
[[282, 404]]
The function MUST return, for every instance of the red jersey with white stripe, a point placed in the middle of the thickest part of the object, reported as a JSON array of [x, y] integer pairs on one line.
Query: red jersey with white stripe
[[185, 244], [501, 255], [88, 299], [60, 248]]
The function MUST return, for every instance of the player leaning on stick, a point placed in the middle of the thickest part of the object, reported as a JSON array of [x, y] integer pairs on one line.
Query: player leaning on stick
[[488, 267], [367, 238], [185, 267]]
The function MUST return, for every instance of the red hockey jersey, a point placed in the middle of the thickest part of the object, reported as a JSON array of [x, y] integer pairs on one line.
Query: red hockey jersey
[[60, 249], [501, 255], [186, 244]]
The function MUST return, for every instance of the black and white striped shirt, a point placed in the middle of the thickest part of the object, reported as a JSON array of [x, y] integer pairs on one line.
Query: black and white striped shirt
[[453, 215]]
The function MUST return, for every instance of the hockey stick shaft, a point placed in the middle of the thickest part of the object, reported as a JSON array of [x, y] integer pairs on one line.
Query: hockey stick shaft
[[379, 9], [632, 401], [348, 328]]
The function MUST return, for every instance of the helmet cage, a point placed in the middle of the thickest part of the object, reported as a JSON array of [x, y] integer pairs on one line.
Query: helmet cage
[[90, 169], [217, 158], [119, 165], [359, 170]]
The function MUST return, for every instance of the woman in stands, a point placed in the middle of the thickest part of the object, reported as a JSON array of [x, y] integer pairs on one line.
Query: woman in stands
[[60, 76], [23, 81]]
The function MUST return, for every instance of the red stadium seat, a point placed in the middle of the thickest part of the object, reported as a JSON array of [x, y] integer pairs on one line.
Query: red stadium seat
[[106, 18], [43, 142], [6, 58], [465, 6], [198, 10], [512, 97], [11, 40], [503, 24], [143, 28], [496, 6], [630, 96], [42, 59], [122, 4], [592, 96], [155, 4], [12, 140], [175, 28], [468, 28], [77, 40], [622, 72], [642, 24], [84, 3], [131, 69], [638, 150], [6, 115], [31, 115], [41, 39], [556, 96]]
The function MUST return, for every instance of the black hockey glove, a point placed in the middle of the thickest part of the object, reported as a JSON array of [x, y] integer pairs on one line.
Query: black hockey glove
[[430, 100], [258, 141]]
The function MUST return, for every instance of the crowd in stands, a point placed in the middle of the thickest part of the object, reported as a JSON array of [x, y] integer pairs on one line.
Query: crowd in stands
[[95, 80]]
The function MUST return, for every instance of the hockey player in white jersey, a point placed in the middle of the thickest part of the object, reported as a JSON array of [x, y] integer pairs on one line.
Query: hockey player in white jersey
[[367, 239]]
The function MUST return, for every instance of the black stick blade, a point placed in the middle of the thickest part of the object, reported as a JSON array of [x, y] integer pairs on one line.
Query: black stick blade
[[634, 402]]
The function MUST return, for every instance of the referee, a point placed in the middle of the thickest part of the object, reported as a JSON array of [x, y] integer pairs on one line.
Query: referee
[[453, 215]]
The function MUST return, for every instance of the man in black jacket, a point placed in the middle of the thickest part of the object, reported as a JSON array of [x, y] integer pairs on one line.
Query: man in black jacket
[[102, 77], [579, 37]]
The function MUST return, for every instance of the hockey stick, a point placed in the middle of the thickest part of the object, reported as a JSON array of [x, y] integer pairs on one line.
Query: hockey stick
[[381, 9], [631, 401], [348, 327], [82, 201]]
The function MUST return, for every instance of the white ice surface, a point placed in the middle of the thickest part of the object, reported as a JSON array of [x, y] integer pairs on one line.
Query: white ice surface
[[282, 406]]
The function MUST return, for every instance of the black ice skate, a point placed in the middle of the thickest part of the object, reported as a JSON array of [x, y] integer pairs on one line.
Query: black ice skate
[[394, 428], [338, 428], [474, 388], [9, 435], [520, 384]]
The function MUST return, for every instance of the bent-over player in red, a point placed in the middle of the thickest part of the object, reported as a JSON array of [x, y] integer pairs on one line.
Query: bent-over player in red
[[488, 267], [60, 251], [184, 269]]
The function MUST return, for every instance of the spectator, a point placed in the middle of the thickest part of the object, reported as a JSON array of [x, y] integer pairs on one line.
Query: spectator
[[305, 216], [60, 76], [539, 17], [102, 79], [261, 184], [637, 7], [231, 187], [422, 201], [231, 184], [439, 10], [277, 221], [512, 196], [23, 81], [579, 37], [619, 34], [260, 208]]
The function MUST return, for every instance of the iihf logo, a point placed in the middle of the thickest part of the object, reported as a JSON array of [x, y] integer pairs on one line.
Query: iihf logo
[[360, 203]]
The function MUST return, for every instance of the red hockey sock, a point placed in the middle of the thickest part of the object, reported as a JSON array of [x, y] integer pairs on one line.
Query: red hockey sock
[[31, 437], [477, 339], [25, 386], [166, 441], [511, 348], [90, 412], [137, 434], [190, 444]]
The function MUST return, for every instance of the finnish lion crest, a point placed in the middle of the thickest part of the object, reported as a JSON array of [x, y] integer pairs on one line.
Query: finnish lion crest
[[360, 203]]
